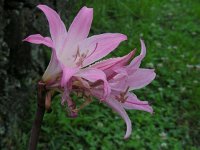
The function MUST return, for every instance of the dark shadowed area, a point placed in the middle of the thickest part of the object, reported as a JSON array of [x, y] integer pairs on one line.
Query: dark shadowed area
[[171, 32]]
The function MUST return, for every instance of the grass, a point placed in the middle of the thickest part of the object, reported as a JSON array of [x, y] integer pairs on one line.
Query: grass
[[171, 33]]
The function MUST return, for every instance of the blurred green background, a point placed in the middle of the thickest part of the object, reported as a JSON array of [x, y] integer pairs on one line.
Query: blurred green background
[[171, 31]]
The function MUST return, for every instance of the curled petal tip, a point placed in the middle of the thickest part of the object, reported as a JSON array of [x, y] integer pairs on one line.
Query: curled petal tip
[[40, 6], [151, 110], [127, 135], [24, 40], [86, 11], [125, 37], [141, 40], [87, 8], [38, 39], [120, 110], [133, 52], [122, 36]]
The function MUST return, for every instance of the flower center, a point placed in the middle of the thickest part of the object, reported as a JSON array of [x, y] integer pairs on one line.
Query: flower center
[[79, 58], [82, 90], [122, 96]]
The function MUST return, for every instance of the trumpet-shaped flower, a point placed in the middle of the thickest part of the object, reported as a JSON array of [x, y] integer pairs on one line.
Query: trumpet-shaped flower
[[109, 80], [123, 78], [73, 50]]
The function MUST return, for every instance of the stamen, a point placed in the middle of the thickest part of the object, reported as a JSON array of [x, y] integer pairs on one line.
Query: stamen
[[87, 102], [80, 62], [71, 112], [136, 103], [93, 50], [122, 96], [77, 54], [126, 90], [83, 56]]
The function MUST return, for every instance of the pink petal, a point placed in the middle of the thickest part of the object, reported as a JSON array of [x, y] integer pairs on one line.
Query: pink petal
[[53, 70], [120, 81], [133, 102], [57, 27], [135, 63], [80, 27], [116, 106], [38, 39], [67, 74], [141, 78], [71, 105], [98, 46], [98, 92], [111, 64], [78, 31], [94, 75]]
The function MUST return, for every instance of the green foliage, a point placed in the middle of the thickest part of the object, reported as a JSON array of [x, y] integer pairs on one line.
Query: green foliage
[[171, 33]]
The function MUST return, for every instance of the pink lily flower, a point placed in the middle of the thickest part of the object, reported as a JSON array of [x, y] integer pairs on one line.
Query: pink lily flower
[[123, 78], [110, 80], [72, 52]]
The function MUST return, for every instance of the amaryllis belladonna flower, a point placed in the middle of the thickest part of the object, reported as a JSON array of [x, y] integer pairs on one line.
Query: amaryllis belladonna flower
[[73, 51], [123, 78], [110, 80]]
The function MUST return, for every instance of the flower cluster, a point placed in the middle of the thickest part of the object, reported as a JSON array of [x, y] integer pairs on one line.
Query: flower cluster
[[72, 69]]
